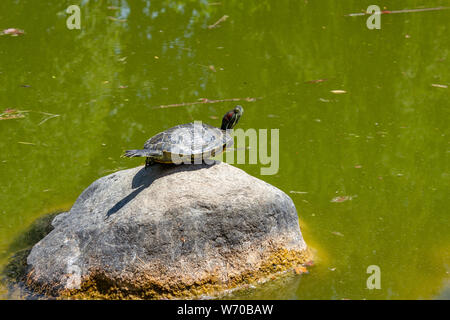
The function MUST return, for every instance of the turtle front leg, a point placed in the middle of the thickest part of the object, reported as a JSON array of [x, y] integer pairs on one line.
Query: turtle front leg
[[148, 162]]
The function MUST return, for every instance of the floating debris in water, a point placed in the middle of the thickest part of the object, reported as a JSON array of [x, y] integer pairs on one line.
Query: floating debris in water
[[341, 199], [436, 85], [338, 91], [216, 24], [337, 233], [19, 114], [116, 19], [397, 11], [13, 32], [298, 192], [205, 100], [316, 81], [47, 117], [353, 135], [12, 114]]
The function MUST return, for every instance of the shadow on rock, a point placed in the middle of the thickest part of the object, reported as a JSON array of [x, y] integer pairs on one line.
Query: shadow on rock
[[145, 177]]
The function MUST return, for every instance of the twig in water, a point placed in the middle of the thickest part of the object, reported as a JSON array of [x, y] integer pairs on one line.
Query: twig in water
[[204, 100], [50, 116], [225, 17], [28, 143], [18, 114], [116, 19], [397, 11]]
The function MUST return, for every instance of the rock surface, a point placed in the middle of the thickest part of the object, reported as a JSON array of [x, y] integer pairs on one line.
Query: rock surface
[[168, 232]]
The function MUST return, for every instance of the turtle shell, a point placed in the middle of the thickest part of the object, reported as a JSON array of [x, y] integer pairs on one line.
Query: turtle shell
[[189, 141]]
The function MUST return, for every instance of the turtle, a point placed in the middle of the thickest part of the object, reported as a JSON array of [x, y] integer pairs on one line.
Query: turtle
[[188, 142]]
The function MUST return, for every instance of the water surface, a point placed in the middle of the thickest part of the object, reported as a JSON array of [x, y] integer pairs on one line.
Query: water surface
[[382, 145]]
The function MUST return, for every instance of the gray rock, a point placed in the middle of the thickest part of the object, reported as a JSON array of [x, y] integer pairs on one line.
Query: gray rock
[[167, 232]]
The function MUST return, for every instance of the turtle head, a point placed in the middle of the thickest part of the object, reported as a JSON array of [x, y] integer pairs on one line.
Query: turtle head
[[231, 118]]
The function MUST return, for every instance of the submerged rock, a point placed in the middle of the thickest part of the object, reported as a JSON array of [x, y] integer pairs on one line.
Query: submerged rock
[[168, 232]]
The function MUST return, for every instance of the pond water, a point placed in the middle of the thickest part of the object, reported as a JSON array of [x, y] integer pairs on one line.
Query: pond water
[[362, 116]]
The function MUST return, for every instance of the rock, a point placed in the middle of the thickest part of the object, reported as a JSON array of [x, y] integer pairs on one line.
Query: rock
[[168, 232]]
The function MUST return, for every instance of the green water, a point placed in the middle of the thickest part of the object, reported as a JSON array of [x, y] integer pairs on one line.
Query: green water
[[384, 142]]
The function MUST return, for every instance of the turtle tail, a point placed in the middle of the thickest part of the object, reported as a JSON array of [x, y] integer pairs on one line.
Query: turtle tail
[[141, 153]]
